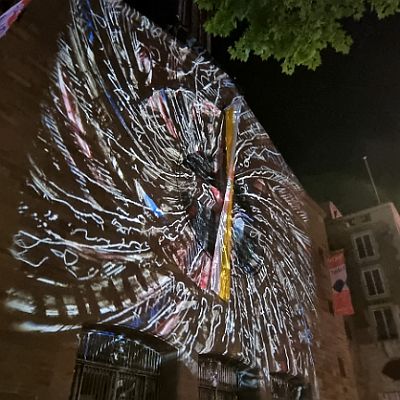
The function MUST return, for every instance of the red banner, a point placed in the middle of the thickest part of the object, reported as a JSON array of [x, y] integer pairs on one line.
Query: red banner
[[341, 296]]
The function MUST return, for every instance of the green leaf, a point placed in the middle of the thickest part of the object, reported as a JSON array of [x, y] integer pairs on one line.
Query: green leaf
[[293, 32]]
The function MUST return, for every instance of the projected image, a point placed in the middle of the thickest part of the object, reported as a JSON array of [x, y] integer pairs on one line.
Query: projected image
[[154, 199]]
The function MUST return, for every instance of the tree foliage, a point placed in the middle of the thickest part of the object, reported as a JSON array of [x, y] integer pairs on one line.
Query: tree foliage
[[294, 32]]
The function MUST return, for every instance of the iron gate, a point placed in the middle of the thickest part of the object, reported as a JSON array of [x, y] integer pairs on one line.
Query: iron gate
[[217, 380], [113, 367], [287, 387]]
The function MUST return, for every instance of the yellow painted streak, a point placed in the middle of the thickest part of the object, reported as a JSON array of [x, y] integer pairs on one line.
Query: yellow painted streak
[[229, 126], [225, 277]]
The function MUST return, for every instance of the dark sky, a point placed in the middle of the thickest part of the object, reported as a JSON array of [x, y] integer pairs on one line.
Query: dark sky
[[325, 121]]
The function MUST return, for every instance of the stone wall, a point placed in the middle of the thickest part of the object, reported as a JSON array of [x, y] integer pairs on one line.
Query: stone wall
[[370, 354], [331, 342]]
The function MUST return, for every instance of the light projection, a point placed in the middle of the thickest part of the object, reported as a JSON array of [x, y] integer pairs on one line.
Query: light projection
[[11, 15], [221, 264], [155, 200]]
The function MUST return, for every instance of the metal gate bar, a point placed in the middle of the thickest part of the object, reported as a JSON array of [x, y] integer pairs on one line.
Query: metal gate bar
[[111, 367]]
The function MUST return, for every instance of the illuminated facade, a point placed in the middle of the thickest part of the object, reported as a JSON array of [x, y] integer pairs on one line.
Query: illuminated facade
[[145, 203]]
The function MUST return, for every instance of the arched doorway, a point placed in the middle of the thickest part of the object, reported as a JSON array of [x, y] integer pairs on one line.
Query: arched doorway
[[112, 366], [224, 378]]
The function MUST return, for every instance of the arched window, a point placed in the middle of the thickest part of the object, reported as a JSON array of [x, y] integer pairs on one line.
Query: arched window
[[113, 366]]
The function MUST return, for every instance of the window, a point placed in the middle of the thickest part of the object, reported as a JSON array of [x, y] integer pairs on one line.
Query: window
[[385, 323], [347, 329], [217, 379], [321, 255], [342, 370], [364, 245], [373, 282], [111, 366], [330, 307]]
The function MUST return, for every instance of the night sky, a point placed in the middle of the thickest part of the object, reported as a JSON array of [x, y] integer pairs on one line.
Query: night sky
[[325, 121]]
